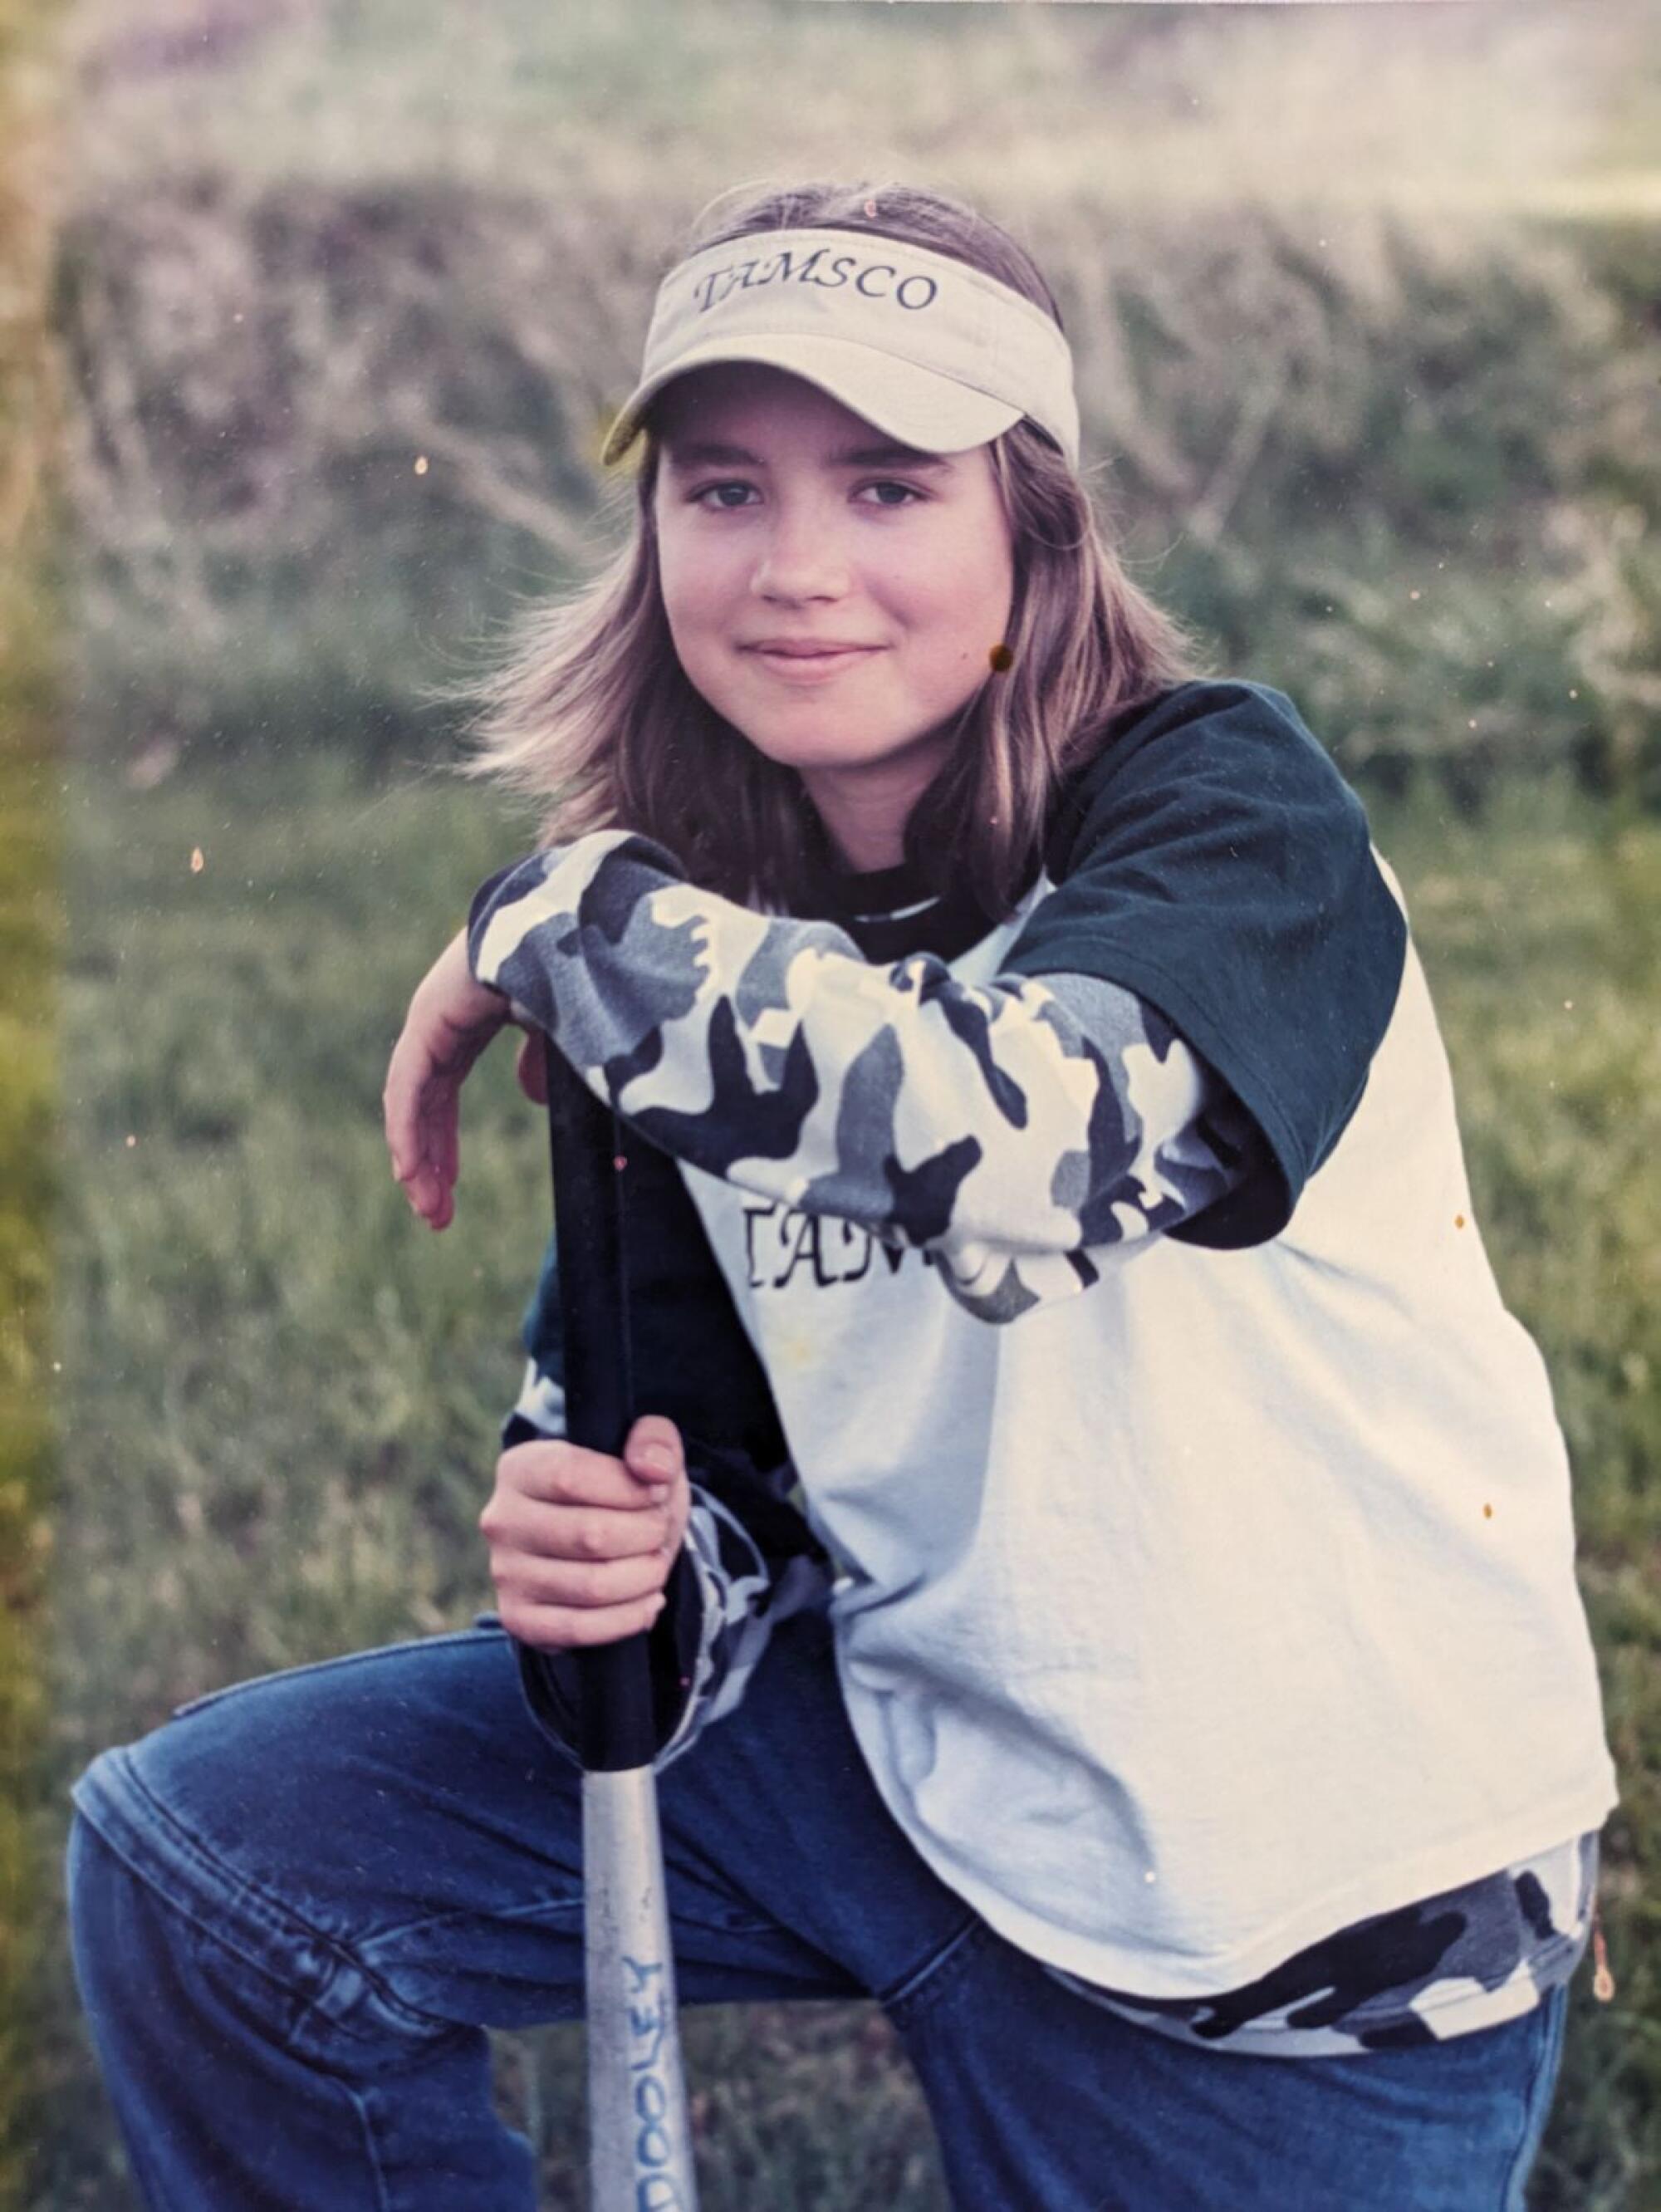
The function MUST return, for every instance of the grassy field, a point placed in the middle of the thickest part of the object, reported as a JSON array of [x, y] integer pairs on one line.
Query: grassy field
[[280, 1394]]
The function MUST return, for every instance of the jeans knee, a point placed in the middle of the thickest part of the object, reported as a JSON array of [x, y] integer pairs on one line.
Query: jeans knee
[[96, 1874], [139, 1914], [99, 1890], [88, 1863], [169, 1942], [162, 1968]]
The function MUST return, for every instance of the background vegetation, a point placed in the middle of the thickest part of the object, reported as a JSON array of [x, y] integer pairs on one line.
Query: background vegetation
[[1363, 300], [29, 743], [1374, 378]]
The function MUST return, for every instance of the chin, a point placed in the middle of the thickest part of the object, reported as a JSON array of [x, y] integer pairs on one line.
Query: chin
[[821, 734], [823, 745]]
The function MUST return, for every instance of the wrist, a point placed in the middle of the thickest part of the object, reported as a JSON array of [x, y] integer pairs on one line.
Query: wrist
[[469, 999]]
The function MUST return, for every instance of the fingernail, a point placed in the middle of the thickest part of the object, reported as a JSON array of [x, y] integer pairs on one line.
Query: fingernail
[[658, 1456]]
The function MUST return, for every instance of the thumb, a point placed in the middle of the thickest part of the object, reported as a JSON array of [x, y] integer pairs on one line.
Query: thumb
[[532, 1067]]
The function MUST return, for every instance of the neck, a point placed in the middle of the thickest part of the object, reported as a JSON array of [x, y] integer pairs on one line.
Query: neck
[[865, 810]]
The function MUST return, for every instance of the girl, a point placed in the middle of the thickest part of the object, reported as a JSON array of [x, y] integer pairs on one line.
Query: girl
[[1176, 1661]]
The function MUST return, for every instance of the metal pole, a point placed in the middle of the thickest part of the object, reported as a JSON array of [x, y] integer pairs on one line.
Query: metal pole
[[639, 2138]]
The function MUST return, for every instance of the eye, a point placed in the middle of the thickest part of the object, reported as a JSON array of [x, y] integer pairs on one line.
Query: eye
[[702, 497], [909, 492]]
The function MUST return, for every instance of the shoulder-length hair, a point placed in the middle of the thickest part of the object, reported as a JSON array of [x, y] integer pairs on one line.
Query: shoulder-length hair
[[590, 715]]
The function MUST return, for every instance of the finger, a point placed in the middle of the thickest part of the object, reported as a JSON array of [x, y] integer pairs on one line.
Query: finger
[[512, 1524], [429, 1196], [580, 1585], [410, 1075], [562, 1473], [422, 1139], [532, 1069], [407, 1135], [440, 1212], [653, 1450], [396, 1117], [440, 1127], [563, 1628]]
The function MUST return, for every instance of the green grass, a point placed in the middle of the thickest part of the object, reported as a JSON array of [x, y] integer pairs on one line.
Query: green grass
[[1541, 933], [280, 1394]]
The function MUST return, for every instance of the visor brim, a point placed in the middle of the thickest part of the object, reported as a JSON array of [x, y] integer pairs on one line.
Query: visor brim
[[917, 406]]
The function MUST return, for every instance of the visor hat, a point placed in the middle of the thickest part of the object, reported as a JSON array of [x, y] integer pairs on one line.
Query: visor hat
[[934, 353]]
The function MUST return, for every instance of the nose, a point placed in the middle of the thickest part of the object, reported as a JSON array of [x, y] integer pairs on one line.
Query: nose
[[802, 557]]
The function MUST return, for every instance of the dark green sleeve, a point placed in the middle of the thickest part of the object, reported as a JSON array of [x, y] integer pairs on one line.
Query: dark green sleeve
[[1213, 860]]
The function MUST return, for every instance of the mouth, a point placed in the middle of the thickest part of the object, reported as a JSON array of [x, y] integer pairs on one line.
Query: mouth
[[807, 664]]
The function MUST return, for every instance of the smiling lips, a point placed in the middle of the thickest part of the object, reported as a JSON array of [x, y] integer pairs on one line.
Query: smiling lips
[[806, 661]]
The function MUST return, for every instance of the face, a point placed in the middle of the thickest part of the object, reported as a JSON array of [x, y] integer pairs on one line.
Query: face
[[835, 596]]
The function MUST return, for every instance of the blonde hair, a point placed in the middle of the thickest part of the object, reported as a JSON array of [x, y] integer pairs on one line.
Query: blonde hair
[[590, 715]]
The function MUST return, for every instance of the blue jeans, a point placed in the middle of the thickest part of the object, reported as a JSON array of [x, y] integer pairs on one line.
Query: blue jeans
[[298, 1905]]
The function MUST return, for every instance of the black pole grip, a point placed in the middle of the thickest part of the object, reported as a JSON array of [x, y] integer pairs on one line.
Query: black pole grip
[[589, 1156]]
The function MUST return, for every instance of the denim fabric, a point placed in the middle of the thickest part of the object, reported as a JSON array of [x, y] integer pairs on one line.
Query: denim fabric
[[297, 1907]]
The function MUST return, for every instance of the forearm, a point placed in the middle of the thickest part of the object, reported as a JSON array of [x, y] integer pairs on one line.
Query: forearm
[[976, 1123]]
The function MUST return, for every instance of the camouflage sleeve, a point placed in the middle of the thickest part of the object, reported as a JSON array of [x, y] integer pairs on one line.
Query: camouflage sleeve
[[743, 1595], [1014, 1130], [728, 1588]]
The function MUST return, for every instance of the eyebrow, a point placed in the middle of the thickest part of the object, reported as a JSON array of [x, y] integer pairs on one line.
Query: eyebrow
[[704, 452]]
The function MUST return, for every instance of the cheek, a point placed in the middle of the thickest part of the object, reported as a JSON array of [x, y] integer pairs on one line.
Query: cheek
[[697, 607], [965, 612], [677, 577], [970, 574], [683, 560], [997, 585], [691, 599]]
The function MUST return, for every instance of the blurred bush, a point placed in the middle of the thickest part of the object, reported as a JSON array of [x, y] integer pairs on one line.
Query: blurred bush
[[323, 436]]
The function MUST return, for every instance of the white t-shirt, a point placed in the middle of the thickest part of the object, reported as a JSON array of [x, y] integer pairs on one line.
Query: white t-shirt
[[1204, 1592], [1230, 1602]]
